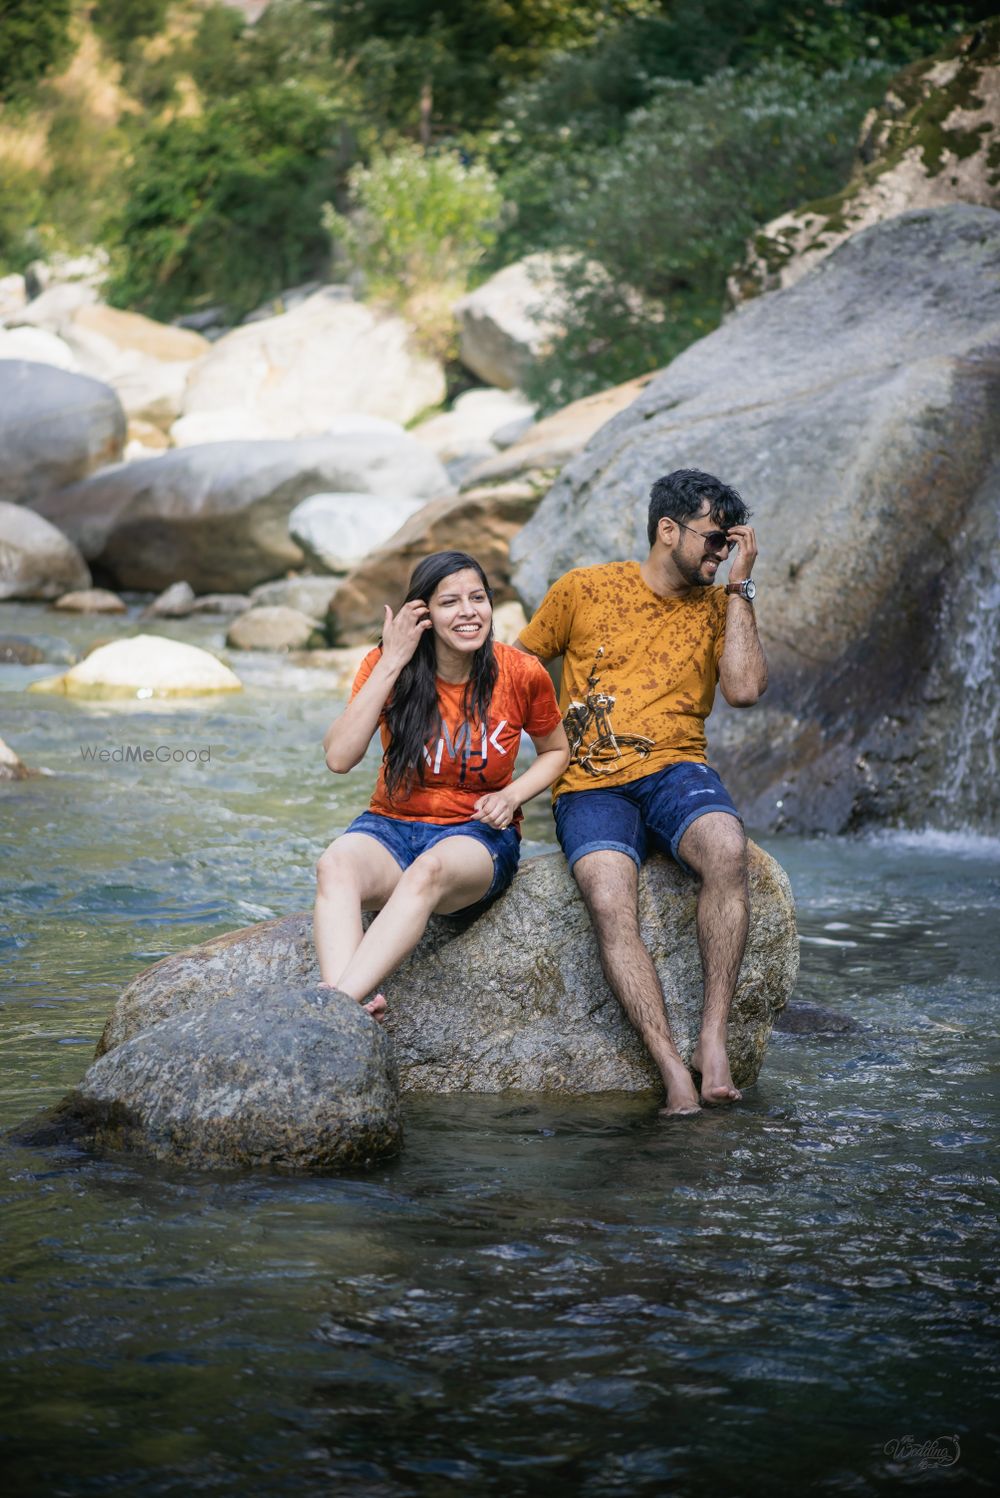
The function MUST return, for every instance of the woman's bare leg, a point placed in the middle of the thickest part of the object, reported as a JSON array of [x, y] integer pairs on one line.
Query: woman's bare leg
[[354, 874], [456, 872]]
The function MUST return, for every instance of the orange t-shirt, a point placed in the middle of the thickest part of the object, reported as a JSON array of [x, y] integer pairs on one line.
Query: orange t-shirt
[[639, 671], [462, 761]]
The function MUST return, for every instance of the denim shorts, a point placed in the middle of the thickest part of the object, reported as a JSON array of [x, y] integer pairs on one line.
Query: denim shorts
[[660, 807], [407, 840]]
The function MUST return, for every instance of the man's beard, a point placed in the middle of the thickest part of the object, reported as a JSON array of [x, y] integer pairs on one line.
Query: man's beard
[[691, 574]]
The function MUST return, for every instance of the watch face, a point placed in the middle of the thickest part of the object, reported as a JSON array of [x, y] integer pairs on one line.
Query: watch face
[[750, 589]]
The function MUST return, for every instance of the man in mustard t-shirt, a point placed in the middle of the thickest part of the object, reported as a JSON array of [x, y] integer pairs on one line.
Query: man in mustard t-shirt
[[643, 645]]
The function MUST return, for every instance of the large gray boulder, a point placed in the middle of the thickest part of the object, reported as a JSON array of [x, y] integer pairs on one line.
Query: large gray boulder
[[286, 1078], [509, 321], [857, 412], [36, 559], [55, 427], [292, 375], [217, 515], [516, 999]]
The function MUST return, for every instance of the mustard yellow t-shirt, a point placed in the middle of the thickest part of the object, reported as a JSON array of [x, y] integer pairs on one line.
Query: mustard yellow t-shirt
[[639, 671]]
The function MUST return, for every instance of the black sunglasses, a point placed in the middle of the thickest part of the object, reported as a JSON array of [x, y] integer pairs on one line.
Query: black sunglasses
[[714, 539]]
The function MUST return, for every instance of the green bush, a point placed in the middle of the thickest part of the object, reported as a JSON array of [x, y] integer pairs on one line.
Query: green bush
[[420, 223], [226, 207], [668, 209], [33, 39], [417, 217]]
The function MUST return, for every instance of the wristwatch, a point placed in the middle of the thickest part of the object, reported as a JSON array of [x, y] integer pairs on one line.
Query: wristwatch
[[746, 589]]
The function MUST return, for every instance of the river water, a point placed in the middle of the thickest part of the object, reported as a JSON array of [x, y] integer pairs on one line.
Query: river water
[[540, 1295]]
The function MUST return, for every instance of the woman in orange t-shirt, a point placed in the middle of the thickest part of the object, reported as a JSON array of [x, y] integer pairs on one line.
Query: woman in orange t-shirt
[[441, 833]]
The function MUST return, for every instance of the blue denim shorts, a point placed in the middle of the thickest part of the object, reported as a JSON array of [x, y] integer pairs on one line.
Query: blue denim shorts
[[407, 840], [658, 807]]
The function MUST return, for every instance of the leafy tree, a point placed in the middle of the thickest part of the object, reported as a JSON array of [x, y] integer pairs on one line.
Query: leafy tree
[[33, 40], [665, 211], [441, 65], [121, 22], [226, 206]]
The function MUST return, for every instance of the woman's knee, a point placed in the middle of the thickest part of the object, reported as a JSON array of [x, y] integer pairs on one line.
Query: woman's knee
[[335, 871], [425, 878]]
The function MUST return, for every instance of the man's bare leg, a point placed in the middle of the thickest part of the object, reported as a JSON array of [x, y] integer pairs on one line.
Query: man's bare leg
[[715, 847], [609, 884]]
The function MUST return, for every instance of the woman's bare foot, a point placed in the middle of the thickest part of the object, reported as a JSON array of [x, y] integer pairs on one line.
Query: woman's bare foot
[[712, 1064], [376, 1007]]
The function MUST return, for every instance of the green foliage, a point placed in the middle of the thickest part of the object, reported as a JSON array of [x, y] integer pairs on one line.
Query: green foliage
[[417, 218], [225, 207], [459, 56], [34, 39], [119, 23], [21, 209], [695, 172], [420, 224]]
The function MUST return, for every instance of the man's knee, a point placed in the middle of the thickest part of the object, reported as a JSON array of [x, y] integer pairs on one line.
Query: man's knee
[[609, 884], [715, 847]]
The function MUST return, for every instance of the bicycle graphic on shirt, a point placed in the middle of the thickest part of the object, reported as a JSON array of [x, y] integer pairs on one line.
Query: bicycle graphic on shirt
[[604, 751]]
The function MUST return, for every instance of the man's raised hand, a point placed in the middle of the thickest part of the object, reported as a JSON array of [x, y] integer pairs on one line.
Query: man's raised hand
[[745, 539]]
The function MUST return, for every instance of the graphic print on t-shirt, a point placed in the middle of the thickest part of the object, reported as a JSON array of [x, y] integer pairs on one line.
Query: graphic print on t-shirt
[[463, 748], [600, 756]]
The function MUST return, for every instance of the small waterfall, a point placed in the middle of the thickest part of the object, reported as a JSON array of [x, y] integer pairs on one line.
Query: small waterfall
[[968, 794]]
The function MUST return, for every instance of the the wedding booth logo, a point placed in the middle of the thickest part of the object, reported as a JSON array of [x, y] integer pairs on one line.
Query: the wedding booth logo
[[147, 754], [921, 1456]]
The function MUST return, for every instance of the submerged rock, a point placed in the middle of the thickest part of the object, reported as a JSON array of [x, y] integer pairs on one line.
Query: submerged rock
[[91, 601], [287, 1078], [143, 666], [515, 999], [12, 766], [274, 628]]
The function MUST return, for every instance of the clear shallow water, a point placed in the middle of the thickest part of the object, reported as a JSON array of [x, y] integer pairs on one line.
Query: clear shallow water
[[540, 1295]]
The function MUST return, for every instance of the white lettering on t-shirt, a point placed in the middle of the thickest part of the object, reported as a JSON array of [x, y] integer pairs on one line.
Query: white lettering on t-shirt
[[461, 745]]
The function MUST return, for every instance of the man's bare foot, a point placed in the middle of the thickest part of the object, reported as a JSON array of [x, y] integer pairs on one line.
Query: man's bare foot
[[682, 1100], [712, 1064], [376, 1007]]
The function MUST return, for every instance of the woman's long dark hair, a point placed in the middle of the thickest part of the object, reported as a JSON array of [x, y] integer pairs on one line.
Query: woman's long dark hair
[[412, 714]]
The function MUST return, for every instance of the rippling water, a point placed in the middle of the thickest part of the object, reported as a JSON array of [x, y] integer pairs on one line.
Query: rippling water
[[539, 1295]]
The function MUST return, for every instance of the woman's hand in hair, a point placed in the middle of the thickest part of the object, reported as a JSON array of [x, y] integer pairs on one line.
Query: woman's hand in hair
[[401, 632]]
